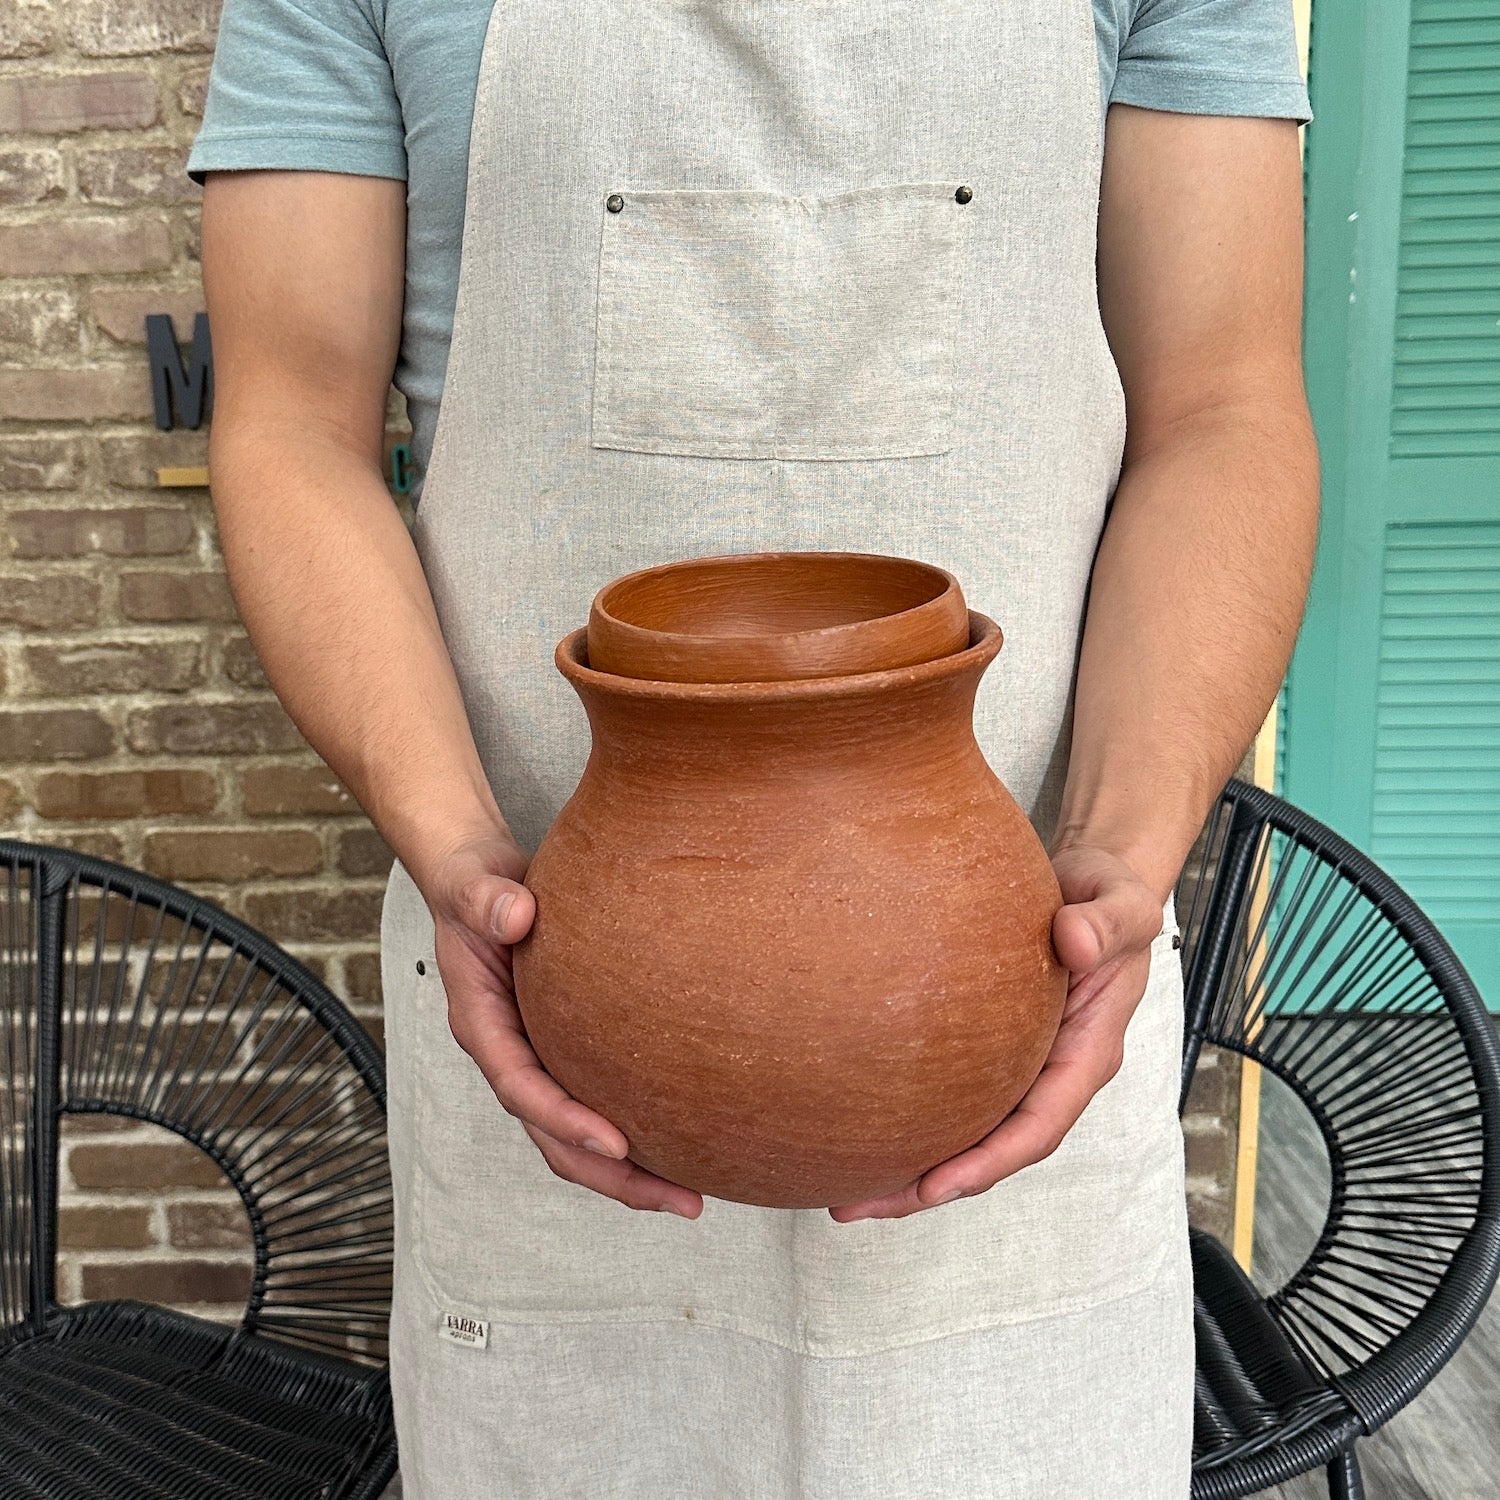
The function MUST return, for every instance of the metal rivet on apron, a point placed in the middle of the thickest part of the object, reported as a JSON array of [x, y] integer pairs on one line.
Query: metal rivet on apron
[[1177, 940], [421, 967], [614, 203], [964, 193]]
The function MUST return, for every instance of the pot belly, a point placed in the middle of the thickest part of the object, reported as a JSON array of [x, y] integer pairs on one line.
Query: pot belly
[[810, 1017]]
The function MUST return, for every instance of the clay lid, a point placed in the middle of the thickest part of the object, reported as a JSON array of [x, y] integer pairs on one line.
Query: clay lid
[[775, 617]]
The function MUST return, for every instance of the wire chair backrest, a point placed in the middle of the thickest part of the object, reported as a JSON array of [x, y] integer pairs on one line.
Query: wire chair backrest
[[1302, 955], [123, 995]]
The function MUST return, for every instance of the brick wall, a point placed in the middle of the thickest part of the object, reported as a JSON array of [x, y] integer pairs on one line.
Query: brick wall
[[134, 720]]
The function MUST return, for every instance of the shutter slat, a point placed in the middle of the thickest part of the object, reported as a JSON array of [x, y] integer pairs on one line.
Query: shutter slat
[[1447, 350], [1435, 809]]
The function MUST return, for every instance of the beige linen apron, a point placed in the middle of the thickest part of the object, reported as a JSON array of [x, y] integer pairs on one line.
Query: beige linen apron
[[776, 274]]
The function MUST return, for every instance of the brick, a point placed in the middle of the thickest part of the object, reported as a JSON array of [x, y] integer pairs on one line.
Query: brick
[[315, 1106], [1214, 1215], [361, 987], [109, 667], [80, 395], [362, 851], [99, 1226], [317, 964], [124, 794], [1210, 1154], [37, 322], [270, 791], [241, 665], [125, 175], [30, 735], [232, 853], [31, 174], [172, 1283], [111, 972], [25, 28], [200, 728], [1213, 1092], [208, 1226], [131, 461], [49, 603], [39, 463], [93, 841], [120, 311], [118, 28], [192, 1042], [312, 915], [69, 671], [311, 1048], [160, 596], [10, 798], [58, 102], [73, 1125], [117, 921], [192, 90], [375, 1025], [119, 531], [153, 1165], [84, 243]]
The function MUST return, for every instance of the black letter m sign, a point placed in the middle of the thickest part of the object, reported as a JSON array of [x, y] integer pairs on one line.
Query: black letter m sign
[[190, 388]]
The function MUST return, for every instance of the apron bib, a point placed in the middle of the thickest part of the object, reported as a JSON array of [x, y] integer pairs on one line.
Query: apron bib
[[745, 275]]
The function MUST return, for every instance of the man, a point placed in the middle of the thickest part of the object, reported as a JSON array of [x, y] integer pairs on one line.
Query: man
[[1113, 455]]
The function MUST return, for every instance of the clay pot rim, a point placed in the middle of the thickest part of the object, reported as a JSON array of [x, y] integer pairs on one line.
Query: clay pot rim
[[985, 640], [710, 640]]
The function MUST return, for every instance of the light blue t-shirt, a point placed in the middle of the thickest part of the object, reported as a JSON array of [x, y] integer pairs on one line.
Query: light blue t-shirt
[[386, 88]]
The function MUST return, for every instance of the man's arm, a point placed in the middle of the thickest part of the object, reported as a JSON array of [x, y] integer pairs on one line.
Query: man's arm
[[1200, 579], [303, 273], [304, 278], [1203, 569]]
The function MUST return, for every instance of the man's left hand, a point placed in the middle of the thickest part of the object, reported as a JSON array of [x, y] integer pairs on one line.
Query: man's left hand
[[1103, 935]]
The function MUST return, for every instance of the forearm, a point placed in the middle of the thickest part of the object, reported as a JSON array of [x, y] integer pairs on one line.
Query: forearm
[[333, 596], [1197, 594]]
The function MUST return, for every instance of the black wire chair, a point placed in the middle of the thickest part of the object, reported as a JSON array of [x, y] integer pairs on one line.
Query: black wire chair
[[1304, 957], [122, 995]]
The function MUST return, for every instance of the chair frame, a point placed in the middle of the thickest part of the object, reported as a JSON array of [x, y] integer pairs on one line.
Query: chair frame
[[56, 873], [1328, 1411]]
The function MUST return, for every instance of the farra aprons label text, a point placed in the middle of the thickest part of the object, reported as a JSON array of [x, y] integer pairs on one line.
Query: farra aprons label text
[[457, 1329]]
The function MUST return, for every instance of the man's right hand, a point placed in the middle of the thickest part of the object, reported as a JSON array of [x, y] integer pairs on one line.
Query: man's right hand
[[480, 908]]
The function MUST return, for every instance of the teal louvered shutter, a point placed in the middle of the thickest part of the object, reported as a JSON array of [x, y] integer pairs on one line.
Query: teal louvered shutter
[[1392, 730]]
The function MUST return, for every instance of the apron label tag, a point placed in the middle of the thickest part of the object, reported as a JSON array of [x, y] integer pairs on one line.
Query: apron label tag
[[457, 1329]]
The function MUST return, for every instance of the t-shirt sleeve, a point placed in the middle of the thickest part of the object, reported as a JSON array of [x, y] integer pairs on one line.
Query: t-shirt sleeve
[[300, 84], [1213, 57]]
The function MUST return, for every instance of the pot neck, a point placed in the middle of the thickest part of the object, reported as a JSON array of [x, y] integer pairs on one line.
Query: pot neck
[[911, 730]]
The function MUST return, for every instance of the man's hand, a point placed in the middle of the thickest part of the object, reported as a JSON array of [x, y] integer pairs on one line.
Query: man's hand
[[480, 909], [1103, 935]]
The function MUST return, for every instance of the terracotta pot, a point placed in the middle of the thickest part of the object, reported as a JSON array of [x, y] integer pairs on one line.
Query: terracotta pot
[[769, 616], [792, 938]]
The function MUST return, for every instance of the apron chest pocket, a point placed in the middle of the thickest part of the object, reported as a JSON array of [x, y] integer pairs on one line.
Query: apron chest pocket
[[744, 323]]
